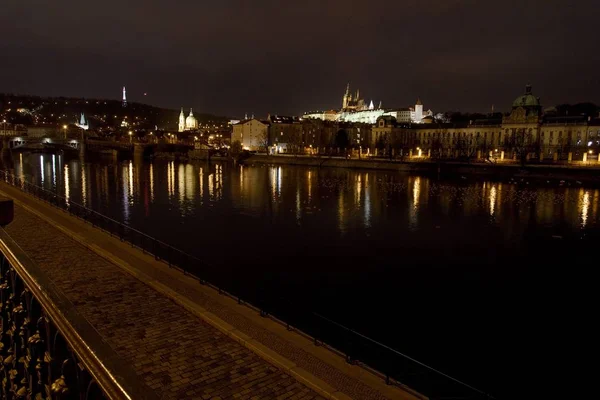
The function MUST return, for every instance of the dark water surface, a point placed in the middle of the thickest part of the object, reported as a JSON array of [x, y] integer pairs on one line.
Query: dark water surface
[[488, 281]]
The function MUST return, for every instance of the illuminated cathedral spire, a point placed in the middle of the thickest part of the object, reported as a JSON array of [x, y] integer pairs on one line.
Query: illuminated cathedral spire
[[347, 97], [181, 121], [124, 97], [371, 106]]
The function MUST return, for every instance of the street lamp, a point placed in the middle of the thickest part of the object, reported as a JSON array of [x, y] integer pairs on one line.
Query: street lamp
[[65, 130], [130, 137]]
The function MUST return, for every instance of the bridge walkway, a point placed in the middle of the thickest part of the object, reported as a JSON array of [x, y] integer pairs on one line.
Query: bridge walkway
[[184, 339]]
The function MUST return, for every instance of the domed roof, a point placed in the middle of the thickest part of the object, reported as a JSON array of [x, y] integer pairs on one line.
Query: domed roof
[[526, 100], [190, 120]]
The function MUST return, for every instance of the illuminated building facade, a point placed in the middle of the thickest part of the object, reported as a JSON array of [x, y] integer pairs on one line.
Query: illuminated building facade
[[251, 133], [525, 130]]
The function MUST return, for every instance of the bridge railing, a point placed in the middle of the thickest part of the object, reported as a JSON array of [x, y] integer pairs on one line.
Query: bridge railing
[[393, 366], [47, 349]]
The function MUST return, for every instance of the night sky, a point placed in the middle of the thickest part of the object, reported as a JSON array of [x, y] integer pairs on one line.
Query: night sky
[[265, 56]]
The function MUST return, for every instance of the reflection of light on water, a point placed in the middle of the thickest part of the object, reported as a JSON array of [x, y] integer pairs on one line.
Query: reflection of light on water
[[201, 184], [358, 191], [309, 185], [273, 178], [67, 187], [151, 183], [171, 178], [298, 210], [125, 178], [53, 171], [42, 168], [416, 192], [341, 213], [492, 200], [215, 183], [595, 204], [279, 181], [585, 207], [181, 182], [83, 185], [241, 177], [131, 182], [189, 182], [367, 205]]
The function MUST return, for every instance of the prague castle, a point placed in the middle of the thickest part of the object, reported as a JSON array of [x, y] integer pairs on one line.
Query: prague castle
[[355, 109]]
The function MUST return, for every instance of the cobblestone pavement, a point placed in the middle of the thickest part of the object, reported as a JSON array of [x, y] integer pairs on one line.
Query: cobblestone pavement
[[177, 354]]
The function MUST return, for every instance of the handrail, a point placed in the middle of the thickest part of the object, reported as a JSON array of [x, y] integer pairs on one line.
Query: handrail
[[401, 354], [314, 332], [114, 377]]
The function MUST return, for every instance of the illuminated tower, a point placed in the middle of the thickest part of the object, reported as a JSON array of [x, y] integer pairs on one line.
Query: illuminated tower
[[181, 121], [346, 98], [418, 112], [124, 97]]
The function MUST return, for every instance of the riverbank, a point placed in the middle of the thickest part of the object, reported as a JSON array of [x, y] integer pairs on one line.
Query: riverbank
[[569, 173]]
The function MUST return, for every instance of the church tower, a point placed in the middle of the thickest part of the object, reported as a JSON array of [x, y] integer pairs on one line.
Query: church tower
[[181, 121], [418, 112], [346, 98]]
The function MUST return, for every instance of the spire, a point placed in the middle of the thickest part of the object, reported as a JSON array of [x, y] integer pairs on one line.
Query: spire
[[124, 97], [380, 105], [191, 113], [348, 89], [371, 106], [246, 116], [528, 89], [82, 120], [181, 113], [357, 94], [419, 102], [252, 115]]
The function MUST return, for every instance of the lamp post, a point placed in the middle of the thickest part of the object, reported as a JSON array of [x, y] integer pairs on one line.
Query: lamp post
[[4, 127], [65, 131], [130, 137]]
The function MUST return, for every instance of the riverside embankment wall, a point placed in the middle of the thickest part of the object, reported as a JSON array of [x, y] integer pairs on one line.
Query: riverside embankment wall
[[589, 174]]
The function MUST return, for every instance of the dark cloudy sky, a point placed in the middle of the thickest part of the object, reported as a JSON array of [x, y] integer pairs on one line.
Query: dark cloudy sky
[[287, 57]]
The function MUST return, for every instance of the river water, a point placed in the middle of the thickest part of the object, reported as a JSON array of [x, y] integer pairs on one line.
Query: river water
[[485, 280]]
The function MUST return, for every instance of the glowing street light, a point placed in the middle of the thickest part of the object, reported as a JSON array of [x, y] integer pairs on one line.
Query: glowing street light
[[65, 130], [130, 137]]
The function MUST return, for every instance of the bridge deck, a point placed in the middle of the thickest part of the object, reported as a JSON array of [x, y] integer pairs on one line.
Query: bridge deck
[[175, 351]]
